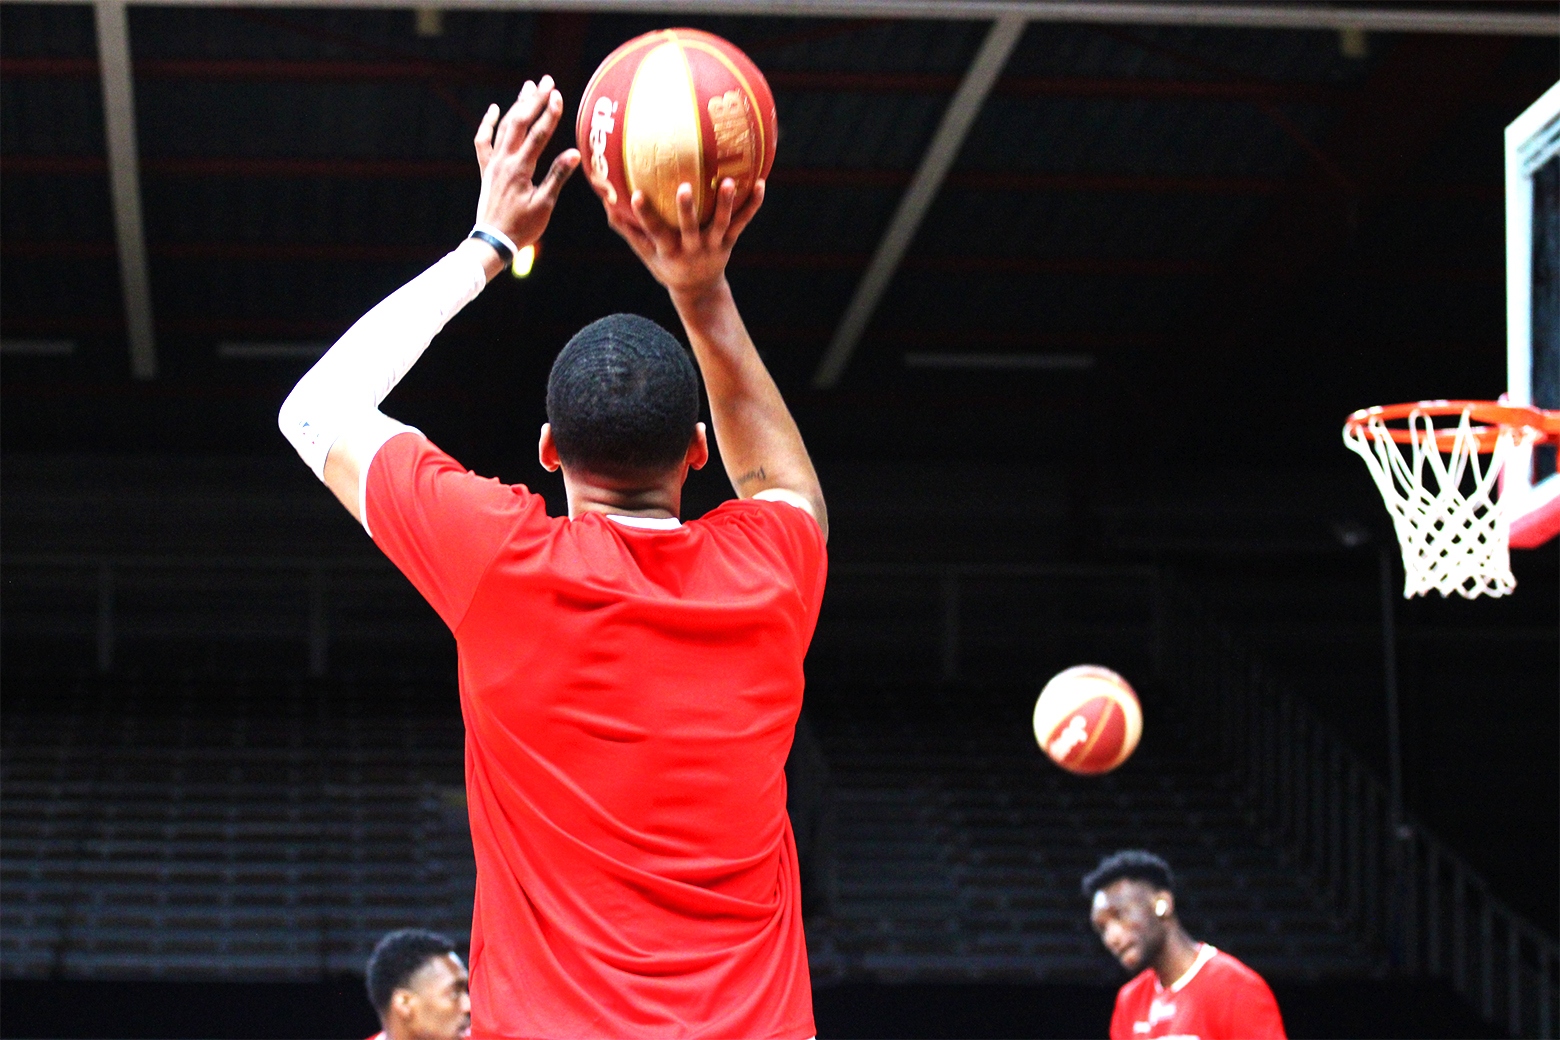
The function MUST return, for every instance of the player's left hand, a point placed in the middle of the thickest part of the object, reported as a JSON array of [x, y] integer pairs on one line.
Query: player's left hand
[[507, 151], [688, 259]]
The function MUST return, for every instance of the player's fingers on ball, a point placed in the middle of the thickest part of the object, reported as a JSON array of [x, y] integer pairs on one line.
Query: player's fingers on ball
[[744, 216], [650, 221], [687, 217], [641, 243], [725, 202], [631, 232], [622, 227], [642, 226]]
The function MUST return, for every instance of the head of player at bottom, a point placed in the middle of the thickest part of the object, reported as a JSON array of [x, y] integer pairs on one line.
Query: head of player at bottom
[[1132, 909], [418, 985]]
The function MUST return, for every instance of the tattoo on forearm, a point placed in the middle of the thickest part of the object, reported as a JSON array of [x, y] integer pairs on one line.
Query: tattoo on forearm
[[750, 476]]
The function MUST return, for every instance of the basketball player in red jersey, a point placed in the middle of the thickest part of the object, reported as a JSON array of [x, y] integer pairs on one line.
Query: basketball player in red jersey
[[417, 985], [1183, 988], [630, 683]]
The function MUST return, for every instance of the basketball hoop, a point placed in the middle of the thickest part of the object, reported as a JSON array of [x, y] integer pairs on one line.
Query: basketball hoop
[[1451, 522]]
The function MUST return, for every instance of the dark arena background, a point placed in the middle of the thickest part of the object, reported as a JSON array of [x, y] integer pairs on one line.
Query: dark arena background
[[1147, 261]]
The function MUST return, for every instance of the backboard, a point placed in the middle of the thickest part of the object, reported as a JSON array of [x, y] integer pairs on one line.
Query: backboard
[[1530, 484]]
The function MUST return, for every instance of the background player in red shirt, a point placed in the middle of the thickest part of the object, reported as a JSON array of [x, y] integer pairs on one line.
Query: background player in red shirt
[[1183, 988], [417, 985], [630, 684]]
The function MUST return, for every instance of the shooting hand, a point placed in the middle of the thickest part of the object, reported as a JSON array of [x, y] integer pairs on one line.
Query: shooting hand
[[687, 259]]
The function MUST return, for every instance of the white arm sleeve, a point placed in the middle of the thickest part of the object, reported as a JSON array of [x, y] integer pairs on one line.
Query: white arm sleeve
[[341, 393]]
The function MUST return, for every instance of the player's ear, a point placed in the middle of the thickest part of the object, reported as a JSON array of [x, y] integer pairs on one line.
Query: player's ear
[[1164, 904], [403, 1003], [547, 451], [698, 448]]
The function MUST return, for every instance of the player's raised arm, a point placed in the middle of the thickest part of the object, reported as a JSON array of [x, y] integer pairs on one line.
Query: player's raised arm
[[332, 416], [758, 439]]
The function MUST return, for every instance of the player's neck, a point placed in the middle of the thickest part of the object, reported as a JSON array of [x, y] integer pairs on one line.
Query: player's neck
[[1177, 956], [656, 498]]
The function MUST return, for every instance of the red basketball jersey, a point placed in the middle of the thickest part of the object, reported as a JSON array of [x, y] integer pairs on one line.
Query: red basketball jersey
[[630, 696], [1218, 998]]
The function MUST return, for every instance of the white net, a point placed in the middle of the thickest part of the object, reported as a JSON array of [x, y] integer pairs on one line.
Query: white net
[[1444, 503]]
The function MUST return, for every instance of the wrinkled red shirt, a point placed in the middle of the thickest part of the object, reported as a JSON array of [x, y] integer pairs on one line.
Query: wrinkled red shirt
[[630, 697]]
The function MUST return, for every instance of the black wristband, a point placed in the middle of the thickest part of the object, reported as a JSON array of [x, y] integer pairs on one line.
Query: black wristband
[[503, 251]]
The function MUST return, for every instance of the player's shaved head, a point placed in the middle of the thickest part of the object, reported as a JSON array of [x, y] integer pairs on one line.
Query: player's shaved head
[[623, 398]]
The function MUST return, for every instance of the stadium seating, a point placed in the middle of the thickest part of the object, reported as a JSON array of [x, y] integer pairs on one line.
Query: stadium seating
[[961, 849], [153, 833], [187, 825], [205, 810]]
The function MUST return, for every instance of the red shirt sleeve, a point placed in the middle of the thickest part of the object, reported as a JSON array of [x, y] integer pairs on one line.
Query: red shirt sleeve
[[1252, 1012], [441, 524], [790, 536]]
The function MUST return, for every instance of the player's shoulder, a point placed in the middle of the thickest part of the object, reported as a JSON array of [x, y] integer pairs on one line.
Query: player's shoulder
[[410, 457], [768, 511], [769, 536], [1230, 969]]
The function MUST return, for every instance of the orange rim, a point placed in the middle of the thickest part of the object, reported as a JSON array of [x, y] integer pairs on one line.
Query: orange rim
[[1493, 418]]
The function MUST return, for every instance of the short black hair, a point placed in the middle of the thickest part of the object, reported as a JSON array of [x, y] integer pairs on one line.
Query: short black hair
[[622, 398], [397, 957], [1137, 864]]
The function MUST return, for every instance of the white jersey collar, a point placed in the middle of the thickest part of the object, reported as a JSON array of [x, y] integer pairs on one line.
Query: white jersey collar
[[1204, 954], [649, 523]]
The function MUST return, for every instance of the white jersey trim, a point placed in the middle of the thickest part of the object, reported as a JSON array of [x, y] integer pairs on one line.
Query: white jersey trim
[[1204, 955], [649, 523]]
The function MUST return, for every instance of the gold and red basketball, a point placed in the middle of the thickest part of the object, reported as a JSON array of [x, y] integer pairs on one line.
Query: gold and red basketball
[[1088, 720], [671, 107]]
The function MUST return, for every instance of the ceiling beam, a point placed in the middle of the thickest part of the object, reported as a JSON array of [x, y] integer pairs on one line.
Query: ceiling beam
[[124, 179], [1404, 18], [793, 176], [957, 119], [1513, 90]]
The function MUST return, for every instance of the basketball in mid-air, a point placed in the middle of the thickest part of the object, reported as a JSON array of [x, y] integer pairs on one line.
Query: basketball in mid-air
[[1088, 720], [671, 107]]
